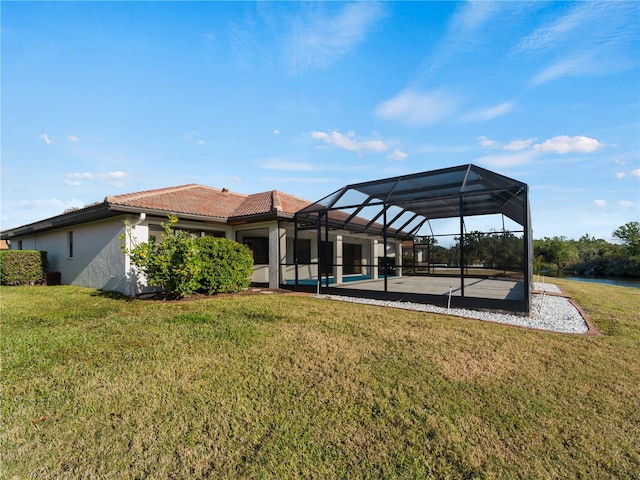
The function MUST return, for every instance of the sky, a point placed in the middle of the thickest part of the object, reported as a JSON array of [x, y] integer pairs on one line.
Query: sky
[[107, 98]]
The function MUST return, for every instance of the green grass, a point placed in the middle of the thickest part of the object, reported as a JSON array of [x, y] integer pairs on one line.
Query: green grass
[[282, 386]]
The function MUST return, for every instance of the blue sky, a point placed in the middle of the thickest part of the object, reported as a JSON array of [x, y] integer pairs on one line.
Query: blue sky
[[107, 98]]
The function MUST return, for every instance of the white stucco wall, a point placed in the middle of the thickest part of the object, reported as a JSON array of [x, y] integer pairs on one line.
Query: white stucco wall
[[97, 259]]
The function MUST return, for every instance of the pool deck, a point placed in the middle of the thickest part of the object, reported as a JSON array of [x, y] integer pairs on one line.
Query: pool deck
[[500, 289]]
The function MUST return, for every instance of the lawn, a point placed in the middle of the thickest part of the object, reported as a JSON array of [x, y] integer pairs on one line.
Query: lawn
[[283, 386]]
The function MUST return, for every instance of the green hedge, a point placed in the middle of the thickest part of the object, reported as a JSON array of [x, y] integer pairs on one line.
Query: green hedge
[[22, 267], [226, 266]]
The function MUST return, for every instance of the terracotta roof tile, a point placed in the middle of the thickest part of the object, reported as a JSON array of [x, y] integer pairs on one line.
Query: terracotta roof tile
[[188, 199], [254, 204], [272, 201], [201, 200], [291, 204]]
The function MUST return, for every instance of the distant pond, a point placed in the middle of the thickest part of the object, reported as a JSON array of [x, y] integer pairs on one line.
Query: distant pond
[[617, 281]]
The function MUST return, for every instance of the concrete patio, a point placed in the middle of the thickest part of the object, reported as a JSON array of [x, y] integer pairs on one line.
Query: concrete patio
[[499, 289]]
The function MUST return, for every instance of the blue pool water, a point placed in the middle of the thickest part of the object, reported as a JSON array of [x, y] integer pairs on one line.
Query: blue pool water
[[346, 278]]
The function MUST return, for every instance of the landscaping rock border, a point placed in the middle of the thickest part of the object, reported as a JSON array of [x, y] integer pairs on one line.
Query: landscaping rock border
[[553, 312]]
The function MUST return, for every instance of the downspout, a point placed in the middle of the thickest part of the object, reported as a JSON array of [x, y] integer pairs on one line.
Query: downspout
[[141, 218]]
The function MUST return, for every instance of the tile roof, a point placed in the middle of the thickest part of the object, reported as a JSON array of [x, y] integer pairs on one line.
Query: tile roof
[[206, 201]]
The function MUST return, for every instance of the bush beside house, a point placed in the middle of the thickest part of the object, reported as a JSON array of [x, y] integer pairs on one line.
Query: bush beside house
[[184, 264], [22, 267], [226, 266]]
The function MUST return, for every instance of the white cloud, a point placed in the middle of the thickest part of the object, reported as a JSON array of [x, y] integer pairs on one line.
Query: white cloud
[[46, 139], [195, 136], [582, 26], [517, 145], [113, 179], [488, 143], [465, 28], [487, 113], [579, 64], [243, 40], [349, 141], [418, 109], [523, 151], [625, 203], [472, 16], [48, 204], [398, 155], [83, 175], [593, 38], [564, 144], [320, 40], [276, 132], [632, 173], [73, 138], [508, 160], [75, 179], [547, 36], [600, 203]]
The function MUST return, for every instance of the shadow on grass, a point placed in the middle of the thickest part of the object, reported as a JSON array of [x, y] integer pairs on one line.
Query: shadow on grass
[[111, 295]]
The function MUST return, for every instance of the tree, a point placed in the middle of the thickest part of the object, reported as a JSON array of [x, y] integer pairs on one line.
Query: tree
[[629, 234], [557, 250]]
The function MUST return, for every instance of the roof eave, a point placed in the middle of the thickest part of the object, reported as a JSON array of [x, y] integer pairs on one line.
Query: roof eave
[[84, 215], [164, 213], [260, 217]]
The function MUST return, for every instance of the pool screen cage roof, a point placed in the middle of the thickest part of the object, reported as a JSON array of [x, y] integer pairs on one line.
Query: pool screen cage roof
[[398, 207]]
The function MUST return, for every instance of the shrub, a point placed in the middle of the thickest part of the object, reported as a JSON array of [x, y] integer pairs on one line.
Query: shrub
[[185, 264], [225, 265], [22, 267]]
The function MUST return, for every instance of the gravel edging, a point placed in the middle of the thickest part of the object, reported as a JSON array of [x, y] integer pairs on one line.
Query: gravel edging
[[548, 312]]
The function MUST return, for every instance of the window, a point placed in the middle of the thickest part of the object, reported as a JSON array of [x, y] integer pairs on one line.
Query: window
[[155, 233], [326, 258], [260, 248], [303, 251], [200, 233], [352, 258], [70, 243], [19, 244]]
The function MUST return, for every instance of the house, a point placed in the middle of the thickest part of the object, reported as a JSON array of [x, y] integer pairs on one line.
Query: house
[[85, 245], [349, 242]]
